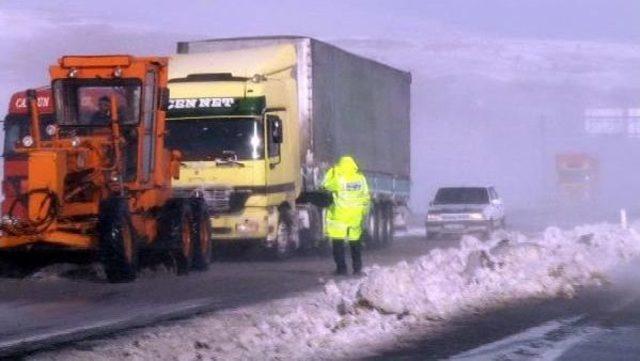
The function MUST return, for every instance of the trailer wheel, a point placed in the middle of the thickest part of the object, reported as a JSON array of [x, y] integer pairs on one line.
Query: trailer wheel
[[430, 236], [383, 225], [201, 236], [117, 240], [388, 224], [374, 231]]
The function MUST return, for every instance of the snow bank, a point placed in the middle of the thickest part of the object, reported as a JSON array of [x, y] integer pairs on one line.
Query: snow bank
[[352, 317]]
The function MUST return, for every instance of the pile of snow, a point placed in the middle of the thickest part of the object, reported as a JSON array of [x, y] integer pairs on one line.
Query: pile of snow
[[347, 319]]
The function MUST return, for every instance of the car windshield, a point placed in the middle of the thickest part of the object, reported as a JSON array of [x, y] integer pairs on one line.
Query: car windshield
[[88, 103], [462, 196], [217, 138]]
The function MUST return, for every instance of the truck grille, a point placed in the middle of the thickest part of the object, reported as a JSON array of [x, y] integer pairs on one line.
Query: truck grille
[[218, 200]]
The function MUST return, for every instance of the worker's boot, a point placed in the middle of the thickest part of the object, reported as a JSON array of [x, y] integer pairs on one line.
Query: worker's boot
[[356, 256], [339, 256]]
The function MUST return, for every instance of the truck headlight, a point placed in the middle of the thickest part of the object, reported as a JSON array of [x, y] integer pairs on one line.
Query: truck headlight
[[27, 141], [248, 226], [75, 141], [476, 216], [434, 217], [51, 130]]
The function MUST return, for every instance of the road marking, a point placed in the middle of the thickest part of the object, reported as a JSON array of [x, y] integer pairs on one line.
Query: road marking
[[546, 341], [15, 346]]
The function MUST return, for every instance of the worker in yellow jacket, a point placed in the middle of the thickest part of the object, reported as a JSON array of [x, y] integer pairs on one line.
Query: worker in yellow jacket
[[346, 216]]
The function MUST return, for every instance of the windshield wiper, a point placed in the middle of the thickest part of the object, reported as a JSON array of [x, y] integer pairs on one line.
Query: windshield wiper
[[229, 158]]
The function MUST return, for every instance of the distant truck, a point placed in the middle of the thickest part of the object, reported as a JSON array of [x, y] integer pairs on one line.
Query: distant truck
[[16, 127], [260, 120], [577, 176]]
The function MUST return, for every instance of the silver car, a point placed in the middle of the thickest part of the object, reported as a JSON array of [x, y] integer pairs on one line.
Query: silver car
[[465, 210]]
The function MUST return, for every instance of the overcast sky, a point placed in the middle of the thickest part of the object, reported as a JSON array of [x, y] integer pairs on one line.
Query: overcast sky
[[505, 61], [612, 20], [34, 33]]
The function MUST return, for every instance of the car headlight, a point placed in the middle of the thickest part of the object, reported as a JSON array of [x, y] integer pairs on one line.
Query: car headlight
[[434, 217], [476, 216], [27, 141]]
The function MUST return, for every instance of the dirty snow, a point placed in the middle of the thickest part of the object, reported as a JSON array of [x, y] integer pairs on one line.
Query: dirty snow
[[354, 317]]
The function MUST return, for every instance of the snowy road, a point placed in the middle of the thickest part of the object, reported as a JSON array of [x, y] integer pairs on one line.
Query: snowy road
[[59, 309], [599, 324]]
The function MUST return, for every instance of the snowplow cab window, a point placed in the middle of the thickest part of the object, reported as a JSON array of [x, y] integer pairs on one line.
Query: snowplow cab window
[[87, 102], [16, 126]]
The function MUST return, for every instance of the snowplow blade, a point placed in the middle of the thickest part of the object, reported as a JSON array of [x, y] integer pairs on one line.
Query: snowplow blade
[[54, 238]]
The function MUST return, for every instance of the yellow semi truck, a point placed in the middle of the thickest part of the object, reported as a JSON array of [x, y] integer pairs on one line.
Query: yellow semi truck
[[258, 122]]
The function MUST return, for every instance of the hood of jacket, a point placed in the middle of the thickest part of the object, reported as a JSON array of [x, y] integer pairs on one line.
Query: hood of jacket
[[347, 165]]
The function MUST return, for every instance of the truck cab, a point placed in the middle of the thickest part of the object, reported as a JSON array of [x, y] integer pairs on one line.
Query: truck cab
[[269, 116], [16, 127], [238, 142]]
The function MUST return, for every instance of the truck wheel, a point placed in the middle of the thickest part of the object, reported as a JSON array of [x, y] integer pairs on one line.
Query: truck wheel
[[201, 236], [117, 240], [284, 245], [283, 248], [176, 227], [184, 242]]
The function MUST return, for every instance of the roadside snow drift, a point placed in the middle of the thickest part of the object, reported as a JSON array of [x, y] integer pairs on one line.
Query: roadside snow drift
[[352, 317]]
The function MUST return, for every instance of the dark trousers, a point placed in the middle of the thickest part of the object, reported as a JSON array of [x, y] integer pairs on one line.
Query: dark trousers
[[339, 255]]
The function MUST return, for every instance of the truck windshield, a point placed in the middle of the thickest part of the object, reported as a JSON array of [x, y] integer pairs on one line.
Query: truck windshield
[[88, 103], [462, 196], [18, 126], [217, 138]]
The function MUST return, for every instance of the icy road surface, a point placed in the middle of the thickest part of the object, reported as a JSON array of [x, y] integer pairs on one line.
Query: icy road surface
[[360, 318], [47, 305]]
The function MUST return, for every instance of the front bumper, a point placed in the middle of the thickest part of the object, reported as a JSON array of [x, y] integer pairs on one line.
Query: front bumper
[[52, 238], [458, 227], [250, 223]]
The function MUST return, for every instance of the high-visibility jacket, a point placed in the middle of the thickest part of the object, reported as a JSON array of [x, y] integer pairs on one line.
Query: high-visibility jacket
[[351, 199]]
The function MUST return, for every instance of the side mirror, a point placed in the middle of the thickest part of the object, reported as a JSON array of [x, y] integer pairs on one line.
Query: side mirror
[[496, 202], [176, 158], [430, 203], [163, 99], [276, 130]]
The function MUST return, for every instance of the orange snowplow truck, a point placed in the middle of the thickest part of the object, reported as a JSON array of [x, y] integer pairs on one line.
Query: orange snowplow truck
[[102, 183], [16, 126]]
